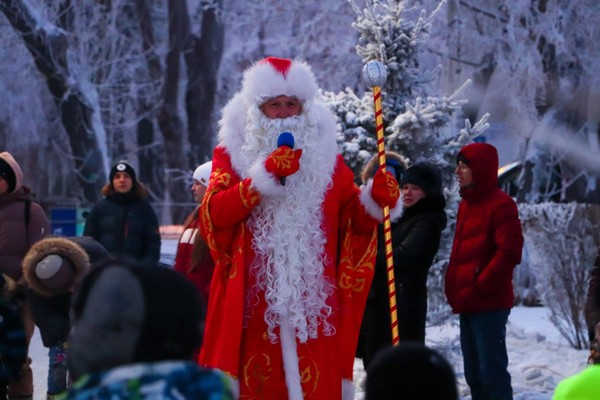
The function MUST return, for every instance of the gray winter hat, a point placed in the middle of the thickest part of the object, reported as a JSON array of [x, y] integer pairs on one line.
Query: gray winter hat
[[126, 313]]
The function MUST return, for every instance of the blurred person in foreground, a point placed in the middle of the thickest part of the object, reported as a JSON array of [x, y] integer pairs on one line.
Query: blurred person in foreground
[[410, 371], [124, 222], [193, 257], [584, 385], [487, 247], [293, 239], [135, 332], [22, 223], [415, 242]]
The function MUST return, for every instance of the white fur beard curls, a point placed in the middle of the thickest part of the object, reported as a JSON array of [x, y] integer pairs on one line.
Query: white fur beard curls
[[287, 234]]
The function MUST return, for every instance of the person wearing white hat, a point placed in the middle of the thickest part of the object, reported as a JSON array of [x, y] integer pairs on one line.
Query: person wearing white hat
[[293, 239], [193, 258]]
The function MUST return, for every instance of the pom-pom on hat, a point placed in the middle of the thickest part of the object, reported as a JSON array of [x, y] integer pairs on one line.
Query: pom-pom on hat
[[122, 166], [425, 176], [202, 173], [273, 76]]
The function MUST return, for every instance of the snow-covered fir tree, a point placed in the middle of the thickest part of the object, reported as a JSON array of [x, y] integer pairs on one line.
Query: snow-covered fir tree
[[420, 123]]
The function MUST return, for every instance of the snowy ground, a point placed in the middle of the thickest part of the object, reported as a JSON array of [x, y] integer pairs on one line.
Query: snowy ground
[[539, 357]]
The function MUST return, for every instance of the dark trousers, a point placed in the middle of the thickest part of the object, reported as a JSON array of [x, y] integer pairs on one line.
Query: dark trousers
[[483, 344], [23, 389]]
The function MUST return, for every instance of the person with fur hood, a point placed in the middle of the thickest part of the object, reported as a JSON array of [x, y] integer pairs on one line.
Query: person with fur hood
[[124, 222], [416, 239], [293, 239], [52, 268], [22, 223]]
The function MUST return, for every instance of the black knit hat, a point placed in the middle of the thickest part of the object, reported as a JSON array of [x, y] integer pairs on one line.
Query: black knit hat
[[8, 174], [125, 313], [410, 371], [122, 166], [425, 176]]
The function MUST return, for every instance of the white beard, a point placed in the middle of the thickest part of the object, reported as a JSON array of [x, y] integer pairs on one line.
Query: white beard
[[288, 238]]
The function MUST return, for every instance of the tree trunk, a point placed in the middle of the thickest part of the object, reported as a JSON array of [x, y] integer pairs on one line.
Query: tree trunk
[[168, 118], [203, 59], [49, 55], [150, 158]]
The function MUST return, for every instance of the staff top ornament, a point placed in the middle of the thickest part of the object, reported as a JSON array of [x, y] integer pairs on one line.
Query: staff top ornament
[[374, 73]]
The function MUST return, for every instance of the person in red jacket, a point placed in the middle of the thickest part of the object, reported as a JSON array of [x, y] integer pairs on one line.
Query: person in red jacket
[[487, 246], [193, 257]]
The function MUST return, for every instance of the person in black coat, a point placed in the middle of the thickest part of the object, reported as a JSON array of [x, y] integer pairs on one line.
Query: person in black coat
[[52, 268], [415, 242], [124, 222]]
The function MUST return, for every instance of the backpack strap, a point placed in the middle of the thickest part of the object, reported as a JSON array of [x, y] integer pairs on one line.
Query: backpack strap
[[27, 211]]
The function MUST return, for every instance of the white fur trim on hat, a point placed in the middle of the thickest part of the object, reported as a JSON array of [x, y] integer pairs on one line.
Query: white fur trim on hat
[[272, 77], [202, 173]]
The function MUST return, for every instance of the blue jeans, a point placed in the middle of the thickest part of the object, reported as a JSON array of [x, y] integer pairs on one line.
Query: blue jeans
[[57, 369], [483, 344]]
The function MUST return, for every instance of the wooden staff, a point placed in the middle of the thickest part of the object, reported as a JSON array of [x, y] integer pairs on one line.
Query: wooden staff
[[375, 75]]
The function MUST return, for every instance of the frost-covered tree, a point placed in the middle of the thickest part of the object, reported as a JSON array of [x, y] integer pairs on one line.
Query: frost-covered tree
[[130, 79], [420, 123], [534, 65], [561, 242]]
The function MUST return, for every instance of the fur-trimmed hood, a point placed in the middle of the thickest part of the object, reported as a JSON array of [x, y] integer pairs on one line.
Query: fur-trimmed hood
[[63, 247], [392, 158]]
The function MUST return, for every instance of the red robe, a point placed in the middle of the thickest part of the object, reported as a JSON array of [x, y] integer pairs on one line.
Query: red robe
[[244, 350]]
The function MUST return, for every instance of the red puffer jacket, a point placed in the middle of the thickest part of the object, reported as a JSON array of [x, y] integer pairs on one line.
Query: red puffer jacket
[[488, 240]]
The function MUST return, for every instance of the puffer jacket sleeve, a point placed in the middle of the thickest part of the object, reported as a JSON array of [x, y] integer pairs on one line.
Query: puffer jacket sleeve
[[91, 223], [39, 225], [508, 239], [151, 237]]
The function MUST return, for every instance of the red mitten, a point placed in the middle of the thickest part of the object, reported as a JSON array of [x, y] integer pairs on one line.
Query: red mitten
[[385, 190], [283, 161]]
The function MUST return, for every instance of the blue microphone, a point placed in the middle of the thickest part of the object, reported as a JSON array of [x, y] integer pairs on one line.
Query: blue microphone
[[285, 139]]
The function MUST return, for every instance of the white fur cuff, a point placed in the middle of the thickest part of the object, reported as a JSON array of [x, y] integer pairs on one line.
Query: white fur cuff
[[373, 208], [264, 181], [347, 389]]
